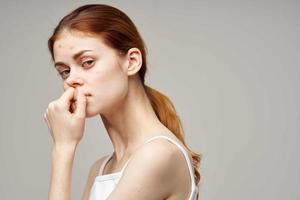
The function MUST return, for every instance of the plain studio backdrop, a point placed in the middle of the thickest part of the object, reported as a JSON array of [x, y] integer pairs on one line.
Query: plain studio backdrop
[[231, 69]]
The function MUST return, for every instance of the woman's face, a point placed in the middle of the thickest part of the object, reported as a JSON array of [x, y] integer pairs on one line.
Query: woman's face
[[98, 72]]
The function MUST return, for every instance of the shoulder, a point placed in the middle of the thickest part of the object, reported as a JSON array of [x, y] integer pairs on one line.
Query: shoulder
[[161, 153], [96, 165], [150, 172], [94, 168], [93, 172]]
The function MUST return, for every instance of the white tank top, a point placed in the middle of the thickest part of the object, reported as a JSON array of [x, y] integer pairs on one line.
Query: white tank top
[[105, 184]]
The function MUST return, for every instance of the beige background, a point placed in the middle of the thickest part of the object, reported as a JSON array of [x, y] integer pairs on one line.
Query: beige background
[[230, 67]]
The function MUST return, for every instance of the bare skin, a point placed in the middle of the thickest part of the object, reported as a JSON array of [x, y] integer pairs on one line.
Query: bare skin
[[109, 86]]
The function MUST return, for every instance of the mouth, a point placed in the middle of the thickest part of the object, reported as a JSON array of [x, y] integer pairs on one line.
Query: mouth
[[75, 99]]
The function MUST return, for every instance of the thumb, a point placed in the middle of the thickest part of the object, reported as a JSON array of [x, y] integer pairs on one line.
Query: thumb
[[80, 105]]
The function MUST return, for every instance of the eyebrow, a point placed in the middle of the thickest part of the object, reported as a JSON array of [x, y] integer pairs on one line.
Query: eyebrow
[[75, 56]]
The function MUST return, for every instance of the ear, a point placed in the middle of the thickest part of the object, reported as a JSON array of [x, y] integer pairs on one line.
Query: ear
[[135, 61]]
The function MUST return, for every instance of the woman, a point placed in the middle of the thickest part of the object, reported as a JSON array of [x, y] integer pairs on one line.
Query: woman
[[101, 58]]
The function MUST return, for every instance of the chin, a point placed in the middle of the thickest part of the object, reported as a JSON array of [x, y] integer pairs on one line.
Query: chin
[[89, 114], [91, 111], [107, 106]]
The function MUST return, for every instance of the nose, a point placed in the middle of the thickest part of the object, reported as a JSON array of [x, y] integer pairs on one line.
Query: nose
[[73, 80]]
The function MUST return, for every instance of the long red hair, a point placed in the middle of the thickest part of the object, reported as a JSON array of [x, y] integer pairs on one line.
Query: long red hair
[[119, 32]]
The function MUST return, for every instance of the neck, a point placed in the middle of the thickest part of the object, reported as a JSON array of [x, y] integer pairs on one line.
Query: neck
[[133, 122]]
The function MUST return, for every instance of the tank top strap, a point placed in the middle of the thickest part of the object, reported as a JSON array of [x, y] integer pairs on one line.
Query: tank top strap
[[195, 189], [123, 168], [187, 158]]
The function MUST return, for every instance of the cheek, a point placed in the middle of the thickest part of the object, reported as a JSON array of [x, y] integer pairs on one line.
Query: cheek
[[114, 84], [111, 86]]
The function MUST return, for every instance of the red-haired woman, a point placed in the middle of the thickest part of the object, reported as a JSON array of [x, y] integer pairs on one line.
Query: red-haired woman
[[101, 58]]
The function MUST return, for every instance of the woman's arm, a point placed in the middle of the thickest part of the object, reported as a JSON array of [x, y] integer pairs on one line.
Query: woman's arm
[[151, 174], [67, 128], [62, 164]]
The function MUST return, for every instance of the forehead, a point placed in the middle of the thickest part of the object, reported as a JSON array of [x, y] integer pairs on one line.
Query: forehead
[[69, 43]]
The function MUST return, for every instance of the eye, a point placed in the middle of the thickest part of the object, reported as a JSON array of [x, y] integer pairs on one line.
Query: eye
[[88, 62], [64, 74]]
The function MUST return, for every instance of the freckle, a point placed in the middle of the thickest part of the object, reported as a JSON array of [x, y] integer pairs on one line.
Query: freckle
[[59, 46]]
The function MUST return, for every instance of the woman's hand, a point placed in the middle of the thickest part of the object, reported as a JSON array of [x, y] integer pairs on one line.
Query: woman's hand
[[66, 120]]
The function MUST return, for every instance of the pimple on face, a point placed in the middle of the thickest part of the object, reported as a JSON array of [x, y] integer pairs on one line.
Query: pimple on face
[[60, 46]]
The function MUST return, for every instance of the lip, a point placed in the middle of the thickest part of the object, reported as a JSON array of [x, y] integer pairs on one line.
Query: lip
[[87, 95]]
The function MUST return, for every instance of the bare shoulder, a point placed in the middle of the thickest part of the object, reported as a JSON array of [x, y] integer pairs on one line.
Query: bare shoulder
[[152, 173], [93, 172]]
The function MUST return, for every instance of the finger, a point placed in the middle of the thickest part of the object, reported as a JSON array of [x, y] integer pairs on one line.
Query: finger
[[80, 104], [66, 97], [73, 107]]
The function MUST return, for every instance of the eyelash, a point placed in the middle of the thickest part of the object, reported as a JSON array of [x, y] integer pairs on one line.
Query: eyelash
[[61, 73]]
